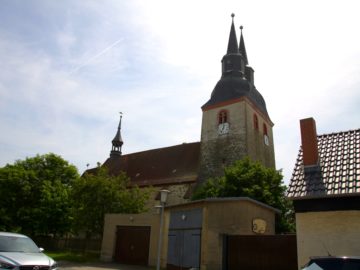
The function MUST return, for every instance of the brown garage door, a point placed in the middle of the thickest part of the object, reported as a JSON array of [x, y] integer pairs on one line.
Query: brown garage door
[[261, 252], [132, 245]]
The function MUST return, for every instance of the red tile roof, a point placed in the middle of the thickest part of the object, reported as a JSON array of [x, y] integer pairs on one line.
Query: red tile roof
[[339, 171], [163, 166]]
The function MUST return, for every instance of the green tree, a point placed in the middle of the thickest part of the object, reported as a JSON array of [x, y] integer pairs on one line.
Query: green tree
[[35, 195], [96, 194], [250, 179]]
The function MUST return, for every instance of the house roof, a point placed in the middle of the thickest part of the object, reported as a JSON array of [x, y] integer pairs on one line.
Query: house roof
[[339, 170], [170, 165]]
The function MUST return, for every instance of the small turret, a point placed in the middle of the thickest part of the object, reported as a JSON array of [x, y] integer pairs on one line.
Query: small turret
[[117, 142]]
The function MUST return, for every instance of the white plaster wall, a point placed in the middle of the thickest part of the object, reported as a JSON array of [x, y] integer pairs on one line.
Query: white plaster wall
[[336, 232]]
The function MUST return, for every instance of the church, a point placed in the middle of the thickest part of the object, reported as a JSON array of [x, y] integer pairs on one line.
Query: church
[[235, 124]]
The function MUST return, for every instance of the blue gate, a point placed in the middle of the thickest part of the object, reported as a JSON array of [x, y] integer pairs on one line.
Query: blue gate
[[184, 239]]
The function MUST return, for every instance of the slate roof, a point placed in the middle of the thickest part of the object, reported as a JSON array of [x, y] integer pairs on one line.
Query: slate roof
[[234, 86], [170, 165], [339, 173]]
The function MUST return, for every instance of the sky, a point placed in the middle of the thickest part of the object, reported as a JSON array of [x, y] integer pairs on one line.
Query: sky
[[67, 68]]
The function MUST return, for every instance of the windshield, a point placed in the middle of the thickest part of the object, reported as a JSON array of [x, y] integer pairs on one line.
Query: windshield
[[334, 264], [17, 244]]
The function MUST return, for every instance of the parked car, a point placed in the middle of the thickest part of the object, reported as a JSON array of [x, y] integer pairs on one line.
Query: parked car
[[19, 252], [333, 263]]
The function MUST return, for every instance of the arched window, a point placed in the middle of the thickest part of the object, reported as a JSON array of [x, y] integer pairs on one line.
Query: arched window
[[256, 122], [265, 129], [222, 117]]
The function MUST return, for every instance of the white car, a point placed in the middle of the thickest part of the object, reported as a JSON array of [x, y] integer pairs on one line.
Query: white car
[[19, 252]]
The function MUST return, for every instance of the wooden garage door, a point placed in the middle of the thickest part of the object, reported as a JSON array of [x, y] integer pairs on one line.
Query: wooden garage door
[[261, 252], [132, 245]]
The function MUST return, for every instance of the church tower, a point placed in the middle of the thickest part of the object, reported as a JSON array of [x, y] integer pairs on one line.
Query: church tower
[[235, 122]]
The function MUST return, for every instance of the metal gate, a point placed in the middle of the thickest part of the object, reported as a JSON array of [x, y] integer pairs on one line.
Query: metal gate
[[132, 245], [266, 252], [184, 239]]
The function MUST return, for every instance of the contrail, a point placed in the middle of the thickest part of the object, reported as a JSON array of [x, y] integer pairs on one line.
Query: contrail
[[95, 56]]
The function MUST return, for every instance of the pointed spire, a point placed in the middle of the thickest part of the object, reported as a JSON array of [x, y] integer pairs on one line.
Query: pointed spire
[[232, 63], [117, 142], [232, 45], [242, 47]]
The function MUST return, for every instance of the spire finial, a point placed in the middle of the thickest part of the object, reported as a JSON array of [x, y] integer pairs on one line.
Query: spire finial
[[121, 114], [241, 28]]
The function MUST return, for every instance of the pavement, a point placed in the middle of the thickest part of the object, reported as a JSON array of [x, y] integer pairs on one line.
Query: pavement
[[101, 266]]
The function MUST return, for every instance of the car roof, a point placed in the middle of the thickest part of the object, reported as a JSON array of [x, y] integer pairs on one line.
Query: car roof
[[12, 234], [334, 257]]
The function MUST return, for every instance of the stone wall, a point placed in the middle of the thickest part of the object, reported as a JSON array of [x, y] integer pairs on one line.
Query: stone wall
[[176, 196], [218, 151]]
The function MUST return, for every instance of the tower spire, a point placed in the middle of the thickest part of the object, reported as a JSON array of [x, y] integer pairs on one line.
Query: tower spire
[[232, 45], [117, 142], [242, 46], [232, 62]]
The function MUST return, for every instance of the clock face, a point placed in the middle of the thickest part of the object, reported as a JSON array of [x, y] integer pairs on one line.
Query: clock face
[[223, 128], [266, 140]]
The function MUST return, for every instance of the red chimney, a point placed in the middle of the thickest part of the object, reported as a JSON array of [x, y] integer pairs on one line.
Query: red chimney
[[309, 142]]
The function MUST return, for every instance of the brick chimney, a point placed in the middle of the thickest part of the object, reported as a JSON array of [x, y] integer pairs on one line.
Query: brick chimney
[[309, 142]]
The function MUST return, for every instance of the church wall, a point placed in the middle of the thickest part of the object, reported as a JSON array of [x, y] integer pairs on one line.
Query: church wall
[[176, 196], [320, 233], [217, 150], [257, 149]]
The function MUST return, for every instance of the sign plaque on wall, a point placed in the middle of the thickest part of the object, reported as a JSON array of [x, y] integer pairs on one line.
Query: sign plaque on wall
[[258, 225]]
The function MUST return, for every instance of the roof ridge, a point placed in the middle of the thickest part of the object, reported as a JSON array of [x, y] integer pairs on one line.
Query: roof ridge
[[339, 132], [160, 148]]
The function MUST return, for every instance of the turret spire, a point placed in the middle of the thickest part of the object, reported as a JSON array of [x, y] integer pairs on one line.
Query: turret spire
[[242, 46], [117, 142], [232, 45]]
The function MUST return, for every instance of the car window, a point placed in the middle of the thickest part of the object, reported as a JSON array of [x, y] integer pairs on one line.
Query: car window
[[17, 244]]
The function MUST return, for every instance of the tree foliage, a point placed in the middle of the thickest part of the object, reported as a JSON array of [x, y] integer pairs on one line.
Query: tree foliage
[[35, 195], [250, 179], [96, 194]]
